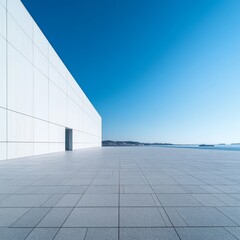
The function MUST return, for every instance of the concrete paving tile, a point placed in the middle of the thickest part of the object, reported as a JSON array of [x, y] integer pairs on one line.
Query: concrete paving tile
[[68, 200], [158, 204], [47, 182], [236, 185], [77, 182], [175, 217], [211, 189], [132, 181], [137, 200], [235, 231], [138, 189], [205, 233], [53, 200], [2, 196], [172, 200], [105, 182], [209, 200], [98, 200], [195, 189], [232, 212], [165, 217], [141, 217], [148, 234], [24, 200], [162, 182], [228, 199], [235, 195], [55, 217], [42, 234], [188, 180], [93, 217], [102, 189], [168, 189], [77, 189], [54, 189], [14, 233], [29, 189], [10, 215], [8, 189], [227, 189], [202, 217], [71, 234], [31, 218], [102, 234]]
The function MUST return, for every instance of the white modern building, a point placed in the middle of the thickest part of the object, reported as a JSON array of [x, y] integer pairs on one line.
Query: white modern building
[[42, 108]]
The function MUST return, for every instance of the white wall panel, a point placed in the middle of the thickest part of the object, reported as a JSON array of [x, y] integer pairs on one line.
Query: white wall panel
[[53, 57], [20, 82], [53, 74], [40, 131], [17, 150], [55, 147], [40, 95], [70, 80], [3, 125], [2, 21], [19, 39], [72, 94], [21, 16], [3, 72], [72, 109], [41, 148], [40, 61], [56, 133], [64, 71], [78, 146], [81, 93], [53, 103], [63, 84], [40, 41], [78, 137], [62, 136], [20, 127], [3, 151], [57, 105], [62, 147], [3, 2]]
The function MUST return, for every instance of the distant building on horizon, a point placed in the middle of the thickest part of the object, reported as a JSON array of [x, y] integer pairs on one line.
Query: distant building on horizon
[[42, 108]]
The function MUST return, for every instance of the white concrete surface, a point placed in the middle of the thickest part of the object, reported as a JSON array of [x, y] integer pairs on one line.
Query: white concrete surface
[[39, 97]]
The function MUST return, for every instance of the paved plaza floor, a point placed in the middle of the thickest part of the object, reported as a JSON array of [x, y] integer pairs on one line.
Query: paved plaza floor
[[138, 193]]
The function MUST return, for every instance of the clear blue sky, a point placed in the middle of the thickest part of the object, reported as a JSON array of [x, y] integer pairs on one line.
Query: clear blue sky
[[156, 70]]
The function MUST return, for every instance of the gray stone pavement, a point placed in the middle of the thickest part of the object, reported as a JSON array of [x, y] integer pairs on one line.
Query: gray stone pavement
[[139, 193]]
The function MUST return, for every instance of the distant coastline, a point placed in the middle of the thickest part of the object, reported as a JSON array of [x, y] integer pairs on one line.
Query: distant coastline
[[220, 146], [110, 143]]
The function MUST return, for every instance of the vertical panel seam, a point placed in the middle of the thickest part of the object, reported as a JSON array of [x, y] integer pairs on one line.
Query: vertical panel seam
[[6, 79], [33, 90], [48, 78]]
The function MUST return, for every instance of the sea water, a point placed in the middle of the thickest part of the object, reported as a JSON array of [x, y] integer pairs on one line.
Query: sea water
[[216, 147]]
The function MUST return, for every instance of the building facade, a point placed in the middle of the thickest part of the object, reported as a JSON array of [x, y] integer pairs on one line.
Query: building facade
[[42, 108]]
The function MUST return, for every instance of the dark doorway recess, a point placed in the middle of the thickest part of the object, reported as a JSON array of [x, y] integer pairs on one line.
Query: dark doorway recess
[[68, 139]]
